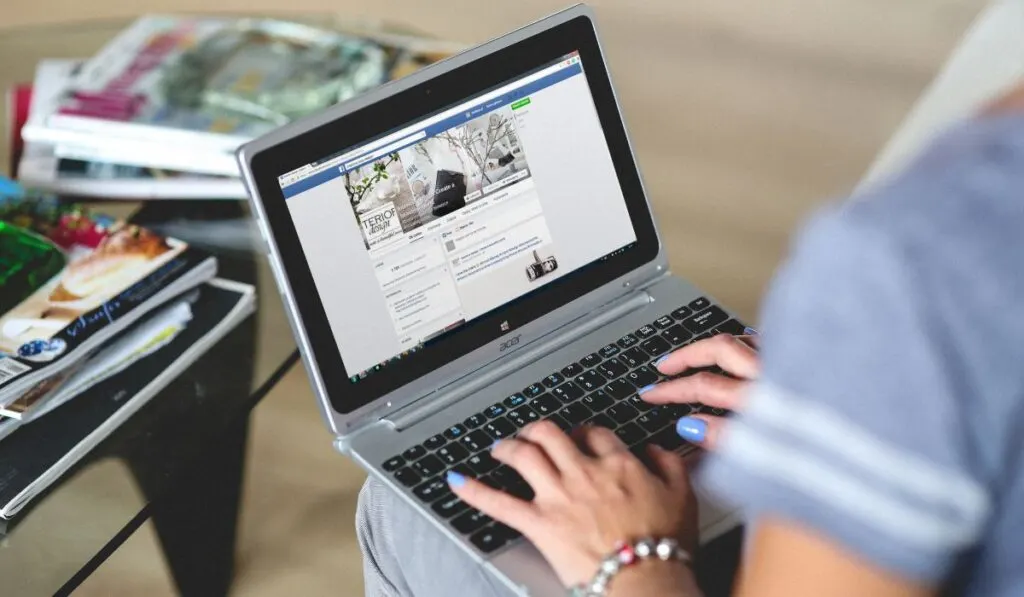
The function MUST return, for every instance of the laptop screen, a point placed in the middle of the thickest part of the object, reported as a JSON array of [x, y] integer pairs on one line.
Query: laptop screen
[[412, 235]]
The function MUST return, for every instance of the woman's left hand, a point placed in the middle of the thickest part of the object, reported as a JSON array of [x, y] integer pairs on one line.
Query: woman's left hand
[[588, 499]]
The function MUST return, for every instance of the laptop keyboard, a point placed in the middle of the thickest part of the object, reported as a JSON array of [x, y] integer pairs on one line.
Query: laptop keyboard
[[599, 389]]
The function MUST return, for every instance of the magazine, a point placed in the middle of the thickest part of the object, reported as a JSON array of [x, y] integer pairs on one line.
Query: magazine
[[209, 85], [71, 281], [35, 455], [40, 167]]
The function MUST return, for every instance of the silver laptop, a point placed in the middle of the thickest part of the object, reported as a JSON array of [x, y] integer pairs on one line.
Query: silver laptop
[[470, 249]]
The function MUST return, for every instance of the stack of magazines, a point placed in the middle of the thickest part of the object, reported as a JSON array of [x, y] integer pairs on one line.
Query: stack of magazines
[[83, 300], [160, 110]]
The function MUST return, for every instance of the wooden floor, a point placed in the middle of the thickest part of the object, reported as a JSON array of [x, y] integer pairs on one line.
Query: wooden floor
[[744, 114]]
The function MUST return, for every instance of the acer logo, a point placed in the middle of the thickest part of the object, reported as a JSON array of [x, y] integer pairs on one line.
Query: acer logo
[[509, 343]]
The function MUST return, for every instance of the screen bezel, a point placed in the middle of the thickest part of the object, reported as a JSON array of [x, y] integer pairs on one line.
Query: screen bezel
[[415, 103]]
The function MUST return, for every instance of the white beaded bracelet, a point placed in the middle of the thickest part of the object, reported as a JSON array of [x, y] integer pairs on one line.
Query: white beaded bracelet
[[626, 555]]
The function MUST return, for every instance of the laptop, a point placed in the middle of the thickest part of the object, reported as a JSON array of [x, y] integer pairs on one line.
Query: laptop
[[470, 249]]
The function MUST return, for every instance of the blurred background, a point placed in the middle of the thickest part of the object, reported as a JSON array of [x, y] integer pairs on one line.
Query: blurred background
[[744, 115]]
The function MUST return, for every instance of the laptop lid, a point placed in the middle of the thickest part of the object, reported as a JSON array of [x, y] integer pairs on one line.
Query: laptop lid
[[443, 221]]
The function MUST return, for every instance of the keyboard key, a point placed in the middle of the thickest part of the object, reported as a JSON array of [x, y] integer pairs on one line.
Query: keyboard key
[[553, 380], [705, 321], [634, 357], [500, 428], [562, 423], [393, 463], [699, 304], [428, 466], [598, 401], [702, 337], [627, 341], [612, 368], [646, 331], [414, 452], [622, 413], [482, 463], [639, 403], [663, 323], [572, 370], [507, 476], [676, 335], [667, 438], [522, 491], [545, 405], [568, 392], [467, 522], [449, 507], [619, 389], [514, 400], [576, 413], [630, 433], [408, 477], [676, 411], [476, 441], [656, 346], [475, 421], [523, 416], [609, 351], [681, 313], [653, 420], [490, 538], [603, 420], [732, 327], [452, 453], [434, 442], [432, 490], [641, 378], [495, 410], [590, 380], [534, 390], [591, 360], [455, 431]]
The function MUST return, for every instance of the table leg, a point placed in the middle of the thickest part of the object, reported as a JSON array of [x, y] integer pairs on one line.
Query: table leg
[[197, 521]]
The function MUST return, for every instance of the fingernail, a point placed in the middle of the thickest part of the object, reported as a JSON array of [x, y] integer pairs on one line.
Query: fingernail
[[661, 360], [750, 332], [455, 479], [495, 444], [692, 429], [646, 389]]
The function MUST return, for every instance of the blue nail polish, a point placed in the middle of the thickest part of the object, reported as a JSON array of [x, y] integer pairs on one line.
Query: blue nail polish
[[692, 429], [455, 479], [750, 332], [661, 360], [646, 389], [495, 444]]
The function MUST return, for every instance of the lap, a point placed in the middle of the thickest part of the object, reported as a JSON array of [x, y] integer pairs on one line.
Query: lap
[[405, 555]]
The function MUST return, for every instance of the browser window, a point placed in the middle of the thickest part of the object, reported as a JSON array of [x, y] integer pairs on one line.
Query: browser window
[[450, 218]]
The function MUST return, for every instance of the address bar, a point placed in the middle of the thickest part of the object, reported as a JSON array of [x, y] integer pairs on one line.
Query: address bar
[[386, 149]]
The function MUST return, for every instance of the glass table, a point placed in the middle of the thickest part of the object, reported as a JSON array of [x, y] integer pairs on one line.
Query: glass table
[[179, 460]]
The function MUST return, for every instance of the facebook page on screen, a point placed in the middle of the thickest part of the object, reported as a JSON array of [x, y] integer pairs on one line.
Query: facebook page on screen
[[412, 235]]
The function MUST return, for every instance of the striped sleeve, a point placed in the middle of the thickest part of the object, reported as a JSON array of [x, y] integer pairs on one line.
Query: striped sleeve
[[854, 428]]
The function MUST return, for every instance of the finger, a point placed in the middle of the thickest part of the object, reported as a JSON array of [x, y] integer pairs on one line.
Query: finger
[[669, 466], [601, 442], [704, 387], [558, 447], [729, 353], [499, 505], [529, 461], [703, 430]]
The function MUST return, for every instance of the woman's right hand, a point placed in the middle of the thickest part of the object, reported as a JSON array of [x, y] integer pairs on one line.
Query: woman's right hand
[[734, 355]]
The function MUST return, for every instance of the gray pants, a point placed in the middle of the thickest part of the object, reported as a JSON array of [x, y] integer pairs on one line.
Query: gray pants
[[404, 555]]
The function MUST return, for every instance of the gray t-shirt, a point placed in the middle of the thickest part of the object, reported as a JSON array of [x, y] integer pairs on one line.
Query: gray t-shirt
[[890, 413]]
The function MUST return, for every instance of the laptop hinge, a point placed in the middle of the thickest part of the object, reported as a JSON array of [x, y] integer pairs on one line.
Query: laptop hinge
[[479, 379]]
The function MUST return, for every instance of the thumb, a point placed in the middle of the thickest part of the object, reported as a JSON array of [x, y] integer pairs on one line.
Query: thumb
[[703, 430], [499, 505]]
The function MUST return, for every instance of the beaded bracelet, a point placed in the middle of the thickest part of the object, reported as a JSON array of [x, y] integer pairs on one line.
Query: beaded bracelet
[[626, 555]]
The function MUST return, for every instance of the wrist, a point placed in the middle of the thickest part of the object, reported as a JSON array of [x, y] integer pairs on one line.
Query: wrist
[[654, 577]]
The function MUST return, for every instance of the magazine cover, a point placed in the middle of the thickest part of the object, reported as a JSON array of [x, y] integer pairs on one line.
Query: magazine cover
[[70, 280], [36, 454], [40, 167], [211, 84]]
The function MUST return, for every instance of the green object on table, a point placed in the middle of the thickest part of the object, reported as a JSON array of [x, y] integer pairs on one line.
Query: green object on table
[[27, 262]]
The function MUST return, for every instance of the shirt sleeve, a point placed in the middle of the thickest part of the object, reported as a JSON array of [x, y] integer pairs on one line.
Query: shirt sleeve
[[854, 428]]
